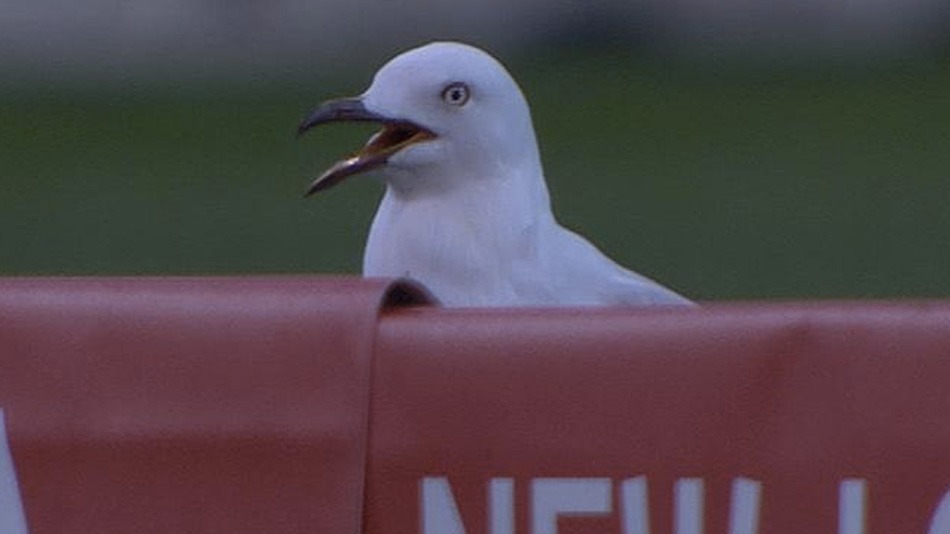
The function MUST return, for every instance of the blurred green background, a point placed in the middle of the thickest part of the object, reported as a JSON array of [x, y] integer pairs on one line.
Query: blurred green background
[[725, 179]]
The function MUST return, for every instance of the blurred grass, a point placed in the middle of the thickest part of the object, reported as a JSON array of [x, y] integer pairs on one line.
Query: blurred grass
[[725, 182]]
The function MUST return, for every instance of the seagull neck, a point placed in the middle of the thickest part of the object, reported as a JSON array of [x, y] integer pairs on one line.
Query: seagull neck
[[459, 228], [519, 190]]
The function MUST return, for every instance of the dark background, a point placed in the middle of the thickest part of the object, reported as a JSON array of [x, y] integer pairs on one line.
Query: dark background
[[745, 159]]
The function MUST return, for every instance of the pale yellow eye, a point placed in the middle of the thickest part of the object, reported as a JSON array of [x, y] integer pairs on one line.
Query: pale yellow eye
[[456, 94]]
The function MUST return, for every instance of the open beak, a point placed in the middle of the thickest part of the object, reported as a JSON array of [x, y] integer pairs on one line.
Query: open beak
[[395, 135]]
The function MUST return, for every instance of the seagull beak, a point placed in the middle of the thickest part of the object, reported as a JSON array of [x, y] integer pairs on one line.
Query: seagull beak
[[395, 135]]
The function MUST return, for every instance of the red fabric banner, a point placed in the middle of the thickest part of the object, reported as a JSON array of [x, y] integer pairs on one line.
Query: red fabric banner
[[189, 405], [304, 404], [740, 419]]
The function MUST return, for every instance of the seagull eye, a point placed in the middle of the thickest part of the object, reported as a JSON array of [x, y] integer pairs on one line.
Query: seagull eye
[[455, 94]]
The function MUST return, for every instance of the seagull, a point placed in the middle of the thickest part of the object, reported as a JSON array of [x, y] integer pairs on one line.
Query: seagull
[[466, 210]]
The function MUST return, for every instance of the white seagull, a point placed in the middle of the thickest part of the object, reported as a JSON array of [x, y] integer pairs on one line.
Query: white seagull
[[466, 209]]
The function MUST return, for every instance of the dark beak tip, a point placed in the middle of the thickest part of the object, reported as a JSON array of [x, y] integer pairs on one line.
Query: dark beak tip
[[326, 181], [341, 109], [305, 126]]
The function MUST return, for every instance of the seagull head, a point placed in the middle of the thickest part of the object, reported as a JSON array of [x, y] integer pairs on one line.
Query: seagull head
[[441, 107]]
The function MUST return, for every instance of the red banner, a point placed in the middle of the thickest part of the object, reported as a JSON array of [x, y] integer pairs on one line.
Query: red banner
[[294, 405], [189, 405], [772, 419]]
